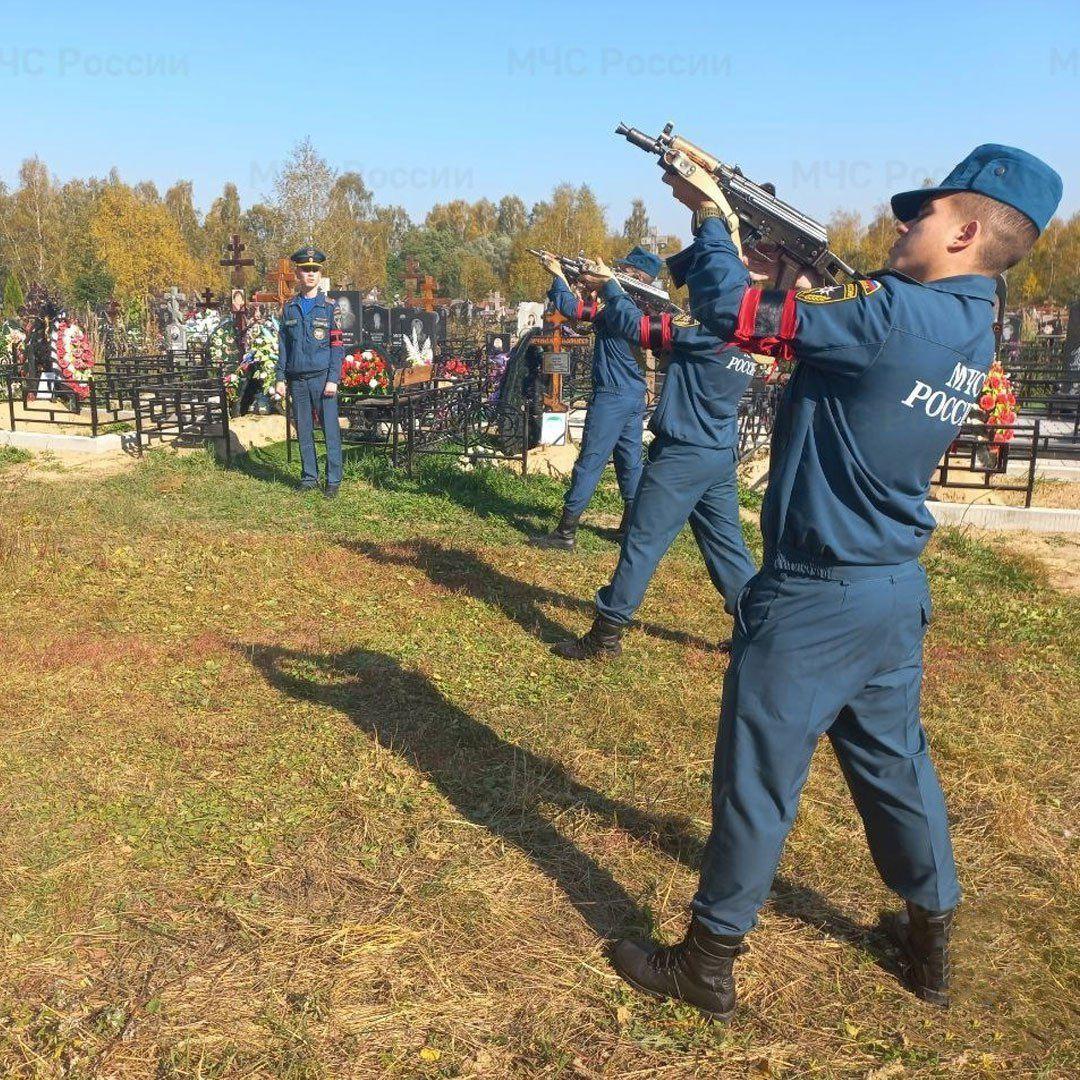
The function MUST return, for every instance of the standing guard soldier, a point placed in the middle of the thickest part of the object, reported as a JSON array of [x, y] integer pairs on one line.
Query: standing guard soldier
[[829, 634], [615, 420], [691, 467], [310, 355]]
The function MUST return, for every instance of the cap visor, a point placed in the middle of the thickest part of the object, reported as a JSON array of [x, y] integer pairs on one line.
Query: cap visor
[[907, 204]]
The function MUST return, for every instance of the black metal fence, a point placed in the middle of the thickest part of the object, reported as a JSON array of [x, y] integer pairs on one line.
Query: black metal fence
[[459, 418], [974, 460], [757, 415], [154, 396]]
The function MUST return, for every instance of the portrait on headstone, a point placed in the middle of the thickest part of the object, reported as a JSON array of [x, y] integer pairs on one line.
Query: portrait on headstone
[[376, 322], [414, 333], [497, 344], [346, 305], [530, 315]]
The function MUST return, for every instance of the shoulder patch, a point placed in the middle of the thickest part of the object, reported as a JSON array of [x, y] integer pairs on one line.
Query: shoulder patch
[[684, 319], [835, 294], [828, 294]]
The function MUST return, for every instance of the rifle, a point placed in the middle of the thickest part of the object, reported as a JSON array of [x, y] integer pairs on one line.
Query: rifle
[[764, 220], [653, 297]]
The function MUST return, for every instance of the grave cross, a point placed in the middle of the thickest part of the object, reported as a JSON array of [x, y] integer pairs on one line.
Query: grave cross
[[175, 298], [233, 251], [652, 239], [207, 299]]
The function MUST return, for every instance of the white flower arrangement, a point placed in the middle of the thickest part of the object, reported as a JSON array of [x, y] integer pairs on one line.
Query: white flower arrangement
[[262, 354], [202, 324], [415, 353]]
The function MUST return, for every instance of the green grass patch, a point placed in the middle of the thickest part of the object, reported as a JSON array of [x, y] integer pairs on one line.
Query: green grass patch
[[294, 787]]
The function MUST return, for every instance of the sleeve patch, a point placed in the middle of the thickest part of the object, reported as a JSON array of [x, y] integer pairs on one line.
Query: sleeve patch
[[835, 294]]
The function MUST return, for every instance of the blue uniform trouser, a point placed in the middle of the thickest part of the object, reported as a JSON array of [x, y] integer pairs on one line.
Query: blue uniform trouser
[[680, 482], [841, 657], [613, 428], [308, 400]]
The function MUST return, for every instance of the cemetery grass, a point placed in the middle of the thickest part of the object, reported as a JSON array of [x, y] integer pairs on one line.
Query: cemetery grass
[[294, 788]]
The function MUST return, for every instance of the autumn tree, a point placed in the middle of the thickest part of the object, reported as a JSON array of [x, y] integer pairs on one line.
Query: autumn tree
[[636, 227], [30, 225], [13, 296], [511, 216], [302, 192], [180, 202], [571, 221], [139, 244]]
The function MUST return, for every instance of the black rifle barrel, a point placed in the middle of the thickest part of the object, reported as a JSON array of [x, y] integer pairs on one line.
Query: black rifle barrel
[[639, 138]]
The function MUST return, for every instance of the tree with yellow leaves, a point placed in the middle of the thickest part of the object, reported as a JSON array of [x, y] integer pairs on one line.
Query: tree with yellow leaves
[[139, 244]]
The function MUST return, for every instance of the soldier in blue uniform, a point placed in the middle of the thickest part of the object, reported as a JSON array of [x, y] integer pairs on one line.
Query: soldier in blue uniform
[[310, 355], [691, 468], [829, 634], [615, 420]]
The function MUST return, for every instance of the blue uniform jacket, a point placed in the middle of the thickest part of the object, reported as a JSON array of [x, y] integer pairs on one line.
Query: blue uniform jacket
[[705, 378], [614, 365], [309, 346], [887, 371]]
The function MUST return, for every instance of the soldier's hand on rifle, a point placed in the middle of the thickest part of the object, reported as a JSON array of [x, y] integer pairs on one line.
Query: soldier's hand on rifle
[[765, 266], [598, 274], [552, 265], [691, 196]]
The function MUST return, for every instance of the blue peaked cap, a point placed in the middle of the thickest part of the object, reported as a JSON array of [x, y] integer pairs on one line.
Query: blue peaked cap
[[1005, 173], [643, 260]]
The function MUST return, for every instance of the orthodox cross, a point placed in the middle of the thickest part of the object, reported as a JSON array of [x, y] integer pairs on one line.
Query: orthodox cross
[[233, 251], [207, 299], [281, 283]]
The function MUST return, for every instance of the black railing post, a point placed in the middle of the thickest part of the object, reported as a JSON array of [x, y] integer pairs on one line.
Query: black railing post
[[224, 401], [1031, 466]]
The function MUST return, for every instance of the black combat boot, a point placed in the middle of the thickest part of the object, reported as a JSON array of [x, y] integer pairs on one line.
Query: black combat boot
[[562, 536], [923, 937], [624, 524], [600, 642], [697, 970]]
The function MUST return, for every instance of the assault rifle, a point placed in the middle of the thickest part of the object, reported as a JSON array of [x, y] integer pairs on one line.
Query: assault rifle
[[767, 224], [653, 297]]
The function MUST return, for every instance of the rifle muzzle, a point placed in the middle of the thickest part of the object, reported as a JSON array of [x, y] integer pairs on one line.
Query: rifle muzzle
[[649, 143]]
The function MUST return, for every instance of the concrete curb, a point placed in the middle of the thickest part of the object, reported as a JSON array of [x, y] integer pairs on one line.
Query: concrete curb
[[68, 444], [986, 516]]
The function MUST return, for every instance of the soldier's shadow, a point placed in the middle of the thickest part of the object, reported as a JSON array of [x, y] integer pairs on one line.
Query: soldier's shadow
[[513, 793], [464, 571]]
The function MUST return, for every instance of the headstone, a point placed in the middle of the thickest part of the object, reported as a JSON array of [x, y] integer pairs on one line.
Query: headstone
[[1072, 347], [496, 344], [376, 322], [530, 316], [347, 317], [175, 334], [413, 330]]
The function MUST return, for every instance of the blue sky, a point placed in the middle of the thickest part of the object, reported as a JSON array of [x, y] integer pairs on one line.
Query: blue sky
[[838, 104]]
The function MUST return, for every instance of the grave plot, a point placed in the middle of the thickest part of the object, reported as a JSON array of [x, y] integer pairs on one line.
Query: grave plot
[[455, 418], [980, 456], [187, 408]]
